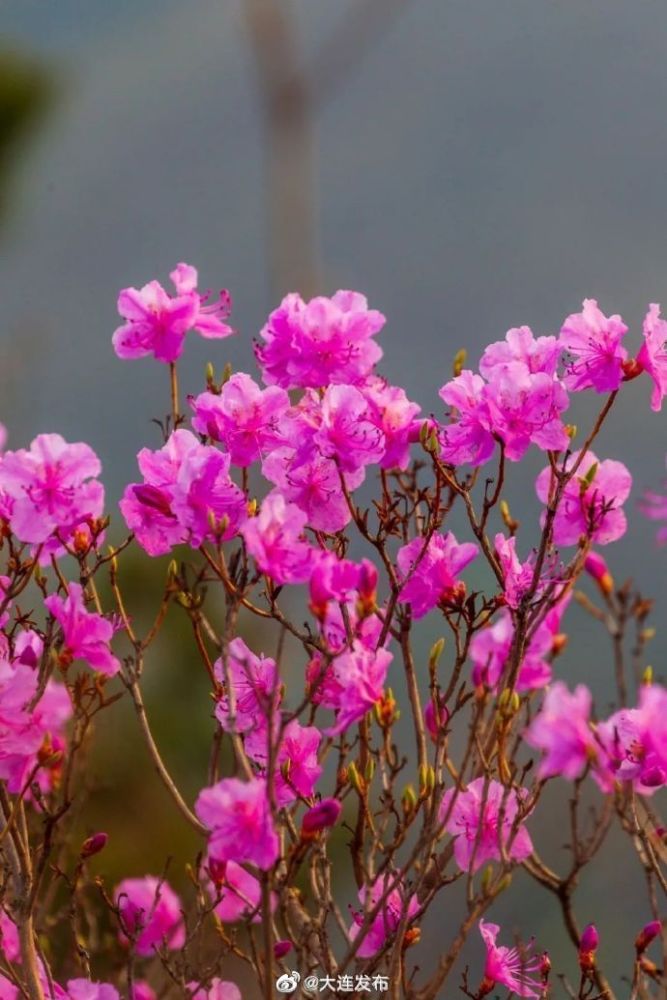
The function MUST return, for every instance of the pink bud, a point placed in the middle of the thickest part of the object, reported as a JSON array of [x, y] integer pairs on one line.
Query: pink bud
[[281, 948], [436, 724], [324, 814], [590, 939], [93, 845], [648, 934], [368, 581], [596, 567]]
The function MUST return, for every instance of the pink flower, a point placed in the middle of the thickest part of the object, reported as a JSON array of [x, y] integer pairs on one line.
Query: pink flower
[[320, 342], [156, 323], [275, 540], [355, 684], [652, 718], [628, 737], [298, 767], [238, 815], [386, 922], [9, 938], [394, 415], [346, 433], [243, 416], [217, 989], [525, 408], [255, 682], [85, 989], [490, 650], [335, 579], [469, 439], [186, 485], [509, 967], [539, 354], [142, 991], [654, 506], [150, 913], [592, 501], [238, 894], [313, 483], [517, 576], [652, 355], [50, 487], [563, 733], [594, 343], [474, 822], [429, 570], [86, 636]]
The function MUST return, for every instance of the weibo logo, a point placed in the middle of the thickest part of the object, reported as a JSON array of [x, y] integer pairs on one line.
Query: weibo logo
[[288, 982]]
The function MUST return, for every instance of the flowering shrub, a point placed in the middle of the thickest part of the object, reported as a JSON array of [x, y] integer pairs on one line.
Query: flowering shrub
[[328, 829]]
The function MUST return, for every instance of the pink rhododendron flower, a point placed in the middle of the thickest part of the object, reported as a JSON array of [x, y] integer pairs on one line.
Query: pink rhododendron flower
[[243, 416], [386, 922], [525, 408], [186, 486], [563, 733], [509, 967], [50, 487], [654, 506], [86, 635], [592, 502], [490, 650], [85, 989], [255, 682], [354, 683], [298, 769], [346, 433], [538, 354], [142, 991], [653, 354], [236, 892], [320, 342], [156, 323], [312, 482], [628, 738], [9, 938], [593, 342], [217, 989], [275, 540], [469, 439], [394, 415], [517, 576], [430, 570], [150, 913], [239, 817], [474, 820], [652, 719]]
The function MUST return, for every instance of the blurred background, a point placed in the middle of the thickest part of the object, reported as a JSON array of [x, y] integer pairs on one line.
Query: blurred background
[[470, 166]]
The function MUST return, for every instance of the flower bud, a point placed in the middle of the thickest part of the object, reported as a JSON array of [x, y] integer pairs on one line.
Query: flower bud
[[631, 369], [409, 800], [436, 719], [596, 567], [545, 966], [587, 947], [435, 654], [459, 361], [281, 948], [646, 935], [355, 779], [647, 676], [412, 936], [321, 816], [367, 588], [93, 845], [426, 779]]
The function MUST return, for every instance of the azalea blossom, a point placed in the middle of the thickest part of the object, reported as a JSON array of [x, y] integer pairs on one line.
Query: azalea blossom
[[50, 488], [320, 342], [473, 817], [86, 635], [238, 815], [156, 323], [150, 913], [592, 503], [275, 539], [509, 967], [254, 682], [653, 354], [593, 342], [243, 416], [562, 731], [430, 570], [395, 907], [236, 892]]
